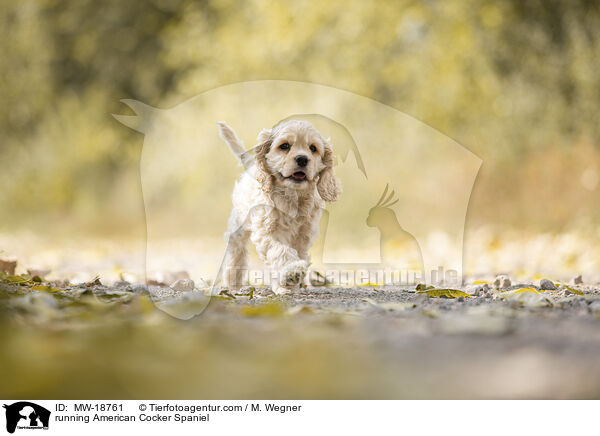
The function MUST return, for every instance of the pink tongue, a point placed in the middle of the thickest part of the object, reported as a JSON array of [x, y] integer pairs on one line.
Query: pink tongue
[[299, 176]]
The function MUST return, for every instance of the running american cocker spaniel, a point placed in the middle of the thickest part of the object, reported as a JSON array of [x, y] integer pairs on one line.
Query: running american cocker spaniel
[[277, 201]]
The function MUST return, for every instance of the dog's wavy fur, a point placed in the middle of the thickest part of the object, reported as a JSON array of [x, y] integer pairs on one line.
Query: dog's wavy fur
[[272, 208]]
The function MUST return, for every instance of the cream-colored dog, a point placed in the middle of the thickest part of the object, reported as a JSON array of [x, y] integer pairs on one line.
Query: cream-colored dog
[[277, 202]]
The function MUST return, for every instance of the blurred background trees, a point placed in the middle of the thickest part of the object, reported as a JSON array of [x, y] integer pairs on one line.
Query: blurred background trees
[[515, 82]]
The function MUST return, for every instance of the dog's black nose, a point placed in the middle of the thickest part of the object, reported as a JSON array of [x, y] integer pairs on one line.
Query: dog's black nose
[[302, 161]]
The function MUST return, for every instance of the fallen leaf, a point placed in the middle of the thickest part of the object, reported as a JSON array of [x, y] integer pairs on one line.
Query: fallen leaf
[[94, 282], [226, 294], [447, 293], [575, 291], [43, 288], [268, 309], [368, 284], [518, 291], [249, 294], [22, 279]]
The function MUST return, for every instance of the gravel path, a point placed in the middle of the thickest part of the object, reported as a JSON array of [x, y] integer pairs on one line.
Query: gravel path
[[517, 342], [366, 342]]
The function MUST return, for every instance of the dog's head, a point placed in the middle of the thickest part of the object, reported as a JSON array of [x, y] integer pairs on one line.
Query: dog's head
[[295, 155]]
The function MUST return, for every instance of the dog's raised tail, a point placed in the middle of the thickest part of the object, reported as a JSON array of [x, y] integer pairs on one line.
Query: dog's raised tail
[[235, 143]]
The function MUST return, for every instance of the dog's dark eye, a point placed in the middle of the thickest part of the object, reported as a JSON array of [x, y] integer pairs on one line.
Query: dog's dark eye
[[313, 148], [285, 146]]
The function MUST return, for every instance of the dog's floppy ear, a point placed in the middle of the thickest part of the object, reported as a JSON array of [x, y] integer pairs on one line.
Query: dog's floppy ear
[[328, 186], [265, 138]]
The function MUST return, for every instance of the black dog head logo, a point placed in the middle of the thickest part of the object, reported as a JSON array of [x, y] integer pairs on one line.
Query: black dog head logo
[[26, 414]]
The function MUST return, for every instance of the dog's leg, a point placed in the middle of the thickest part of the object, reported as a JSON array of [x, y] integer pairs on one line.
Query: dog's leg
[[305, 238], [302, 244], [277, 252], [236, 259], [282, 258]]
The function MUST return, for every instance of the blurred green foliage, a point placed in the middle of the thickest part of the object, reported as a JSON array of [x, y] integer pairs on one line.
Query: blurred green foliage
[[516, 82]]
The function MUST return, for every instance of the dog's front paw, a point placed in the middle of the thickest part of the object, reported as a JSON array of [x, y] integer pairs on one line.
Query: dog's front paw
[[292, 275]]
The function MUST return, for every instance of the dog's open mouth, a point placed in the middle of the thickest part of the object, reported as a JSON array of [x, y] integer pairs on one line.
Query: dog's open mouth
[[298, 176]]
